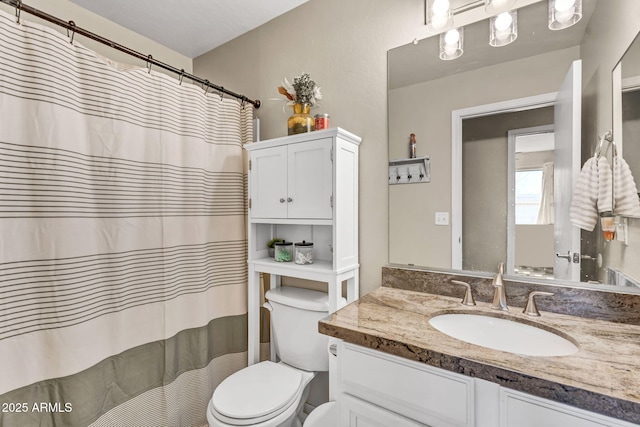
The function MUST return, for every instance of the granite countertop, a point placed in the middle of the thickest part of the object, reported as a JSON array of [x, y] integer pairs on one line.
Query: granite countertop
[[603, 376]]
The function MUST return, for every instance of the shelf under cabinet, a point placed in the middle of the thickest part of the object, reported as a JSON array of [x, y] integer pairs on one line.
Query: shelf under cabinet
[[288, 221], [319, 270]]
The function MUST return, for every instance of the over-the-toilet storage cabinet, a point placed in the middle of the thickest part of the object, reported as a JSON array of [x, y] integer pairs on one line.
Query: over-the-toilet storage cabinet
[[303, 187]]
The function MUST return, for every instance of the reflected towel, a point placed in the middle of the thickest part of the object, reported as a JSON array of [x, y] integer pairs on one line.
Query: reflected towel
[[625, 191], [592, 193]]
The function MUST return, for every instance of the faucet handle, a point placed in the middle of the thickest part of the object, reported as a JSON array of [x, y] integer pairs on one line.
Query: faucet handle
[[498, 280], [531, 309], [468, 295]]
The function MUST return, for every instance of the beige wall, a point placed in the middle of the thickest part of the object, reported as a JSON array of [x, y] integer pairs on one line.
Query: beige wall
[[534, 246], [343, 45], [423, 242], [611, 30], [601, 52], [87, 20]]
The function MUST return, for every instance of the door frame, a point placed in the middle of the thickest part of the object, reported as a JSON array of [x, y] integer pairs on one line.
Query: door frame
[[457, 116]]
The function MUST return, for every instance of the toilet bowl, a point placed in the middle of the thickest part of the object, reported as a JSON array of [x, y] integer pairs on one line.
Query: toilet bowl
[[269, 394], [325, 415], [266, 394]]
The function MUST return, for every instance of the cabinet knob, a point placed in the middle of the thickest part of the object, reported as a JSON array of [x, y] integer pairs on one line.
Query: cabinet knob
[[281, 200], [289, 199]]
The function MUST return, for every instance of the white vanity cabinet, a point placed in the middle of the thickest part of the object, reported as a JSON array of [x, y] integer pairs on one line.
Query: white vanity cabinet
[[378, 389], [303, 187]]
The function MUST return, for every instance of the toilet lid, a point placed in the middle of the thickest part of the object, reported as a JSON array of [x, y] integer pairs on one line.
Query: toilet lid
[[258, 390]]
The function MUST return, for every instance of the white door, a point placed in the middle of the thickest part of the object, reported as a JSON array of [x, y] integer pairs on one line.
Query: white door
[[269, 183], [310, 180], [567, 118]]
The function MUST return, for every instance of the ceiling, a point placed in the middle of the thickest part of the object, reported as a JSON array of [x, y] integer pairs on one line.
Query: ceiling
[[190, 27]]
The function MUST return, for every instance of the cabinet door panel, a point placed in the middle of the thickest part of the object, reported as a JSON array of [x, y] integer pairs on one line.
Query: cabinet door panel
[[358, 413], [310, 180], [269, 183], [521, 410], [423, 393]]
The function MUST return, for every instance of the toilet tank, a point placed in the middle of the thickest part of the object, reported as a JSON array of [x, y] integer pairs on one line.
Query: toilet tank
[[295, 313]]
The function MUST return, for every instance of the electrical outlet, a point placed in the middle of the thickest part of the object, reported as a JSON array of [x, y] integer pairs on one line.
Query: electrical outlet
[[442, 218]]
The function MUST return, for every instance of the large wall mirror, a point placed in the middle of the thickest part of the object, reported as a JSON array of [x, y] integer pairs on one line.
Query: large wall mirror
[[506, 130]]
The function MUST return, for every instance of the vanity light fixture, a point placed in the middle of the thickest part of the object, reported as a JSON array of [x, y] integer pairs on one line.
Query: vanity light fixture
[[564, 13], [503, 28], [439, 15], [451, 44], [493, 7]]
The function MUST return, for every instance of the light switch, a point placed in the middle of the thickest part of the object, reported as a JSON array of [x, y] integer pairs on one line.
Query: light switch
[[442, 218]]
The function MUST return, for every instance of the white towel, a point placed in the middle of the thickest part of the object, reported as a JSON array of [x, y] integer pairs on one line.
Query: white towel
[[625, 191], [592, 193]]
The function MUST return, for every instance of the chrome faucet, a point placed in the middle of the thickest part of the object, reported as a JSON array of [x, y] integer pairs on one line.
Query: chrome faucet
[[499, 294]]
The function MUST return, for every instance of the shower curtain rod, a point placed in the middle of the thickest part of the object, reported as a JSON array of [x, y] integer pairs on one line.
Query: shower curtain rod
[[71, 26]]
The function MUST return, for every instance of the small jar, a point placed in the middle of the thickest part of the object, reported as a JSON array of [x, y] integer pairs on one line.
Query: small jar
[[284, 251], [304, 253], [321, 121]]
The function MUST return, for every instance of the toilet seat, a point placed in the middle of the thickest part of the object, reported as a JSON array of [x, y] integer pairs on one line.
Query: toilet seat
[[257, 393]]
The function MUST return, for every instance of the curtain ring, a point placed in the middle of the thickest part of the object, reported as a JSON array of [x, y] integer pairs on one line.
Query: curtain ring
[[18, 9], [72, 26], [149, 59], [221, 93], [206, 86], [243, 102], [181, 76]]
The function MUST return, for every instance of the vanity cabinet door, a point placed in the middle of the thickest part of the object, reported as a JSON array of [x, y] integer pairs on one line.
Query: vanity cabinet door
[[358, 413], [523, 410], [424, 394]]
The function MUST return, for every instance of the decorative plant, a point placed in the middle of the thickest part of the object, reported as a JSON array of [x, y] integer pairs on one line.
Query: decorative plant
[[303, 90], [273, 241]]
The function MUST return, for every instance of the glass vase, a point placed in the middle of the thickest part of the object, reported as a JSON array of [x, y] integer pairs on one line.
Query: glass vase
[[301, 121]]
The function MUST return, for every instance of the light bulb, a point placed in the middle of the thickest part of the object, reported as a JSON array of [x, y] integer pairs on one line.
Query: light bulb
[[493, 7], [564, 13], [451, 38], [450, 50], [564, 10], [451, 44], [439, 21], [499, 4], [564, 5], [440, 7], [503, 21]]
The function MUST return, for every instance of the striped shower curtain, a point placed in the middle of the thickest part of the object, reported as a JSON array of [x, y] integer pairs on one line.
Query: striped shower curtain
[[122, 238]]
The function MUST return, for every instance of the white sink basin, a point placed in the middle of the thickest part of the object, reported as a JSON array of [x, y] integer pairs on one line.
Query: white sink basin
[[503, 334]]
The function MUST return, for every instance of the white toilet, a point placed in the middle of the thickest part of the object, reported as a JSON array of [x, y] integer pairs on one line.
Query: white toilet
[[270, 394]]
